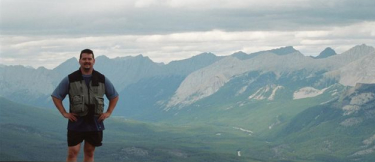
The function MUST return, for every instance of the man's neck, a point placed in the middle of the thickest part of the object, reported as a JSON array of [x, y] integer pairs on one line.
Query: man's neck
[[86, 72]]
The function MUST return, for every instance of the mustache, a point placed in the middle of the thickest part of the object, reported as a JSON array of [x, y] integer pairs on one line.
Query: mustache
[[87, 64]]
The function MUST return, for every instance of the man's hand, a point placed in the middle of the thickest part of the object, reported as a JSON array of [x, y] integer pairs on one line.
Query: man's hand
[[70, 116], [104, 116], [112, 105], [59, 105]]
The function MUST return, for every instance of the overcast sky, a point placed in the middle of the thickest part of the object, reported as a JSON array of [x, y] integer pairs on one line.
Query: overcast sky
[[48, 32]]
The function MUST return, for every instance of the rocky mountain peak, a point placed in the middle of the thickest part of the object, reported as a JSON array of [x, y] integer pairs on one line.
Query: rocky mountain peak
[[240, 55], [328, 52], [139, 57], [361, 49], [205, 55], [70, 61], [201, 57], [278, 51], [284, 50], [102, 57], [67, 67]]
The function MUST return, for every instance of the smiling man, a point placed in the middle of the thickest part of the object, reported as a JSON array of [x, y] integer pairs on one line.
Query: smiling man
[[86, 88]]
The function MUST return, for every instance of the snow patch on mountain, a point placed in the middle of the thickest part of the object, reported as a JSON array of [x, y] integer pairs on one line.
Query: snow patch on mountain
[[242, 90], [362, 98], [350, 109], [364, 152], [204, 82], [262, 93], [258, 95], [307, 92], [244, 130], [272, 96], [369, 141], [278, 121], [358, 96], [351, 122], [367, 145]]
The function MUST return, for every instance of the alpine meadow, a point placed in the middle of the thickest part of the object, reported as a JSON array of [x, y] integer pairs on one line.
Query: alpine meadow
[[274, 105]]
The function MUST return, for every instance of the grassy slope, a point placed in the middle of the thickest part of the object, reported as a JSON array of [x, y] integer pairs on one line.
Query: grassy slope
[[25, 129], [29, 133], [295, 133], [204, 135]]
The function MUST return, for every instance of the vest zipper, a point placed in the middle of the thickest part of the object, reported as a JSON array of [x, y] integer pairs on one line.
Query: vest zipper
[[83, 97], [88, 91]]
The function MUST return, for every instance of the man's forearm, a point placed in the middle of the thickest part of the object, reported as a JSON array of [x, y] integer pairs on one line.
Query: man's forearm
[[112, 104], [59, 105]]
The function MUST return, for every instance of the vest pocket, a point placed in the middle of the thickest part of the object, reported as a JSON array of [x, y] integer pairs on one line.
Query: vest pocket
[[99, 104], [77, 105]]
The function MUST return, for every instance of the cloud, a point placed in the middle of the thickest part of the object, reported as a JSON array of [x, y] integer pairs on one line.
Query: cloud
[[170, 16], [47, 32], [50, 51], [220, 4]]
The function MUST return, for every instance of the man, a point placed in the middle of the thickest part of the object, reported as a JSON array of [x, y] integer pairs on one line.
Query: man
[[86, 88]]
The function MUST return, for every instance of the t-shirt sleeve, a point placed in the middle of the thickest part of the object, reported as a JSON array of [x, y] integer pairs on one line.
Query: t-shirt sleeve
[[110, 90], [62, 89]]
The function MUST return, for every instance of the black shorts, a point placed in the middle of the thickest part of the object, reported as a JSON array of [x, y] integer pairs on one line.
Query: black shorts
[[94, 138]]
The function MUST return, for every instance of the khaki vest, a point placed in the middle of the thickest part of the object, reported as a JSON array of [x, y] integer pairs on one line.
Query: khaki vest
[[83, 98]]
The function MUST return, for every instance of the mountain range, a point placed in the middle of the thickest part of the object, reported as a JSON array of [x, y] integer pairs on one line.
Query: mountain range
[[28, 85], [294, 103]]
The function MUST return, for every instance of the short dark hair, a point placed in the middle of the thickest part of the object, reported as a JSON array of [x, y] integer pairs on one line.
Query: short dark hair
[[86, 51]]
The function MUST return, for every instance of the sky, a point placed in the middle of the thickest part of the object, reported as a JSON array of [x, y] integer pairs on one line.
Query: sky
[[47, 32]]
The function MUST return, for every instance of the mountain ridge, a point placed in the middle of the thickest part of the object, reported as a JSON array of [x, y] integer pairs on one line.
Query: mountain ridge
[[214, 71], [211, 78]]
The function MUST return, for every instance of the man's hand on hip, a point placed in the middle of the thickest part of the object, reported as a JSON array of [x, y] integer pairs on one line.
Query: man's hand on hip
[[70, 116], [104, 116]]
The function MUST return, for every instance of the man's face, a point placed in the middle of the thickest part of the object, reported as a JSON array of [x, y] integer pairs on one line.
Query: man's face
[[87, 61]]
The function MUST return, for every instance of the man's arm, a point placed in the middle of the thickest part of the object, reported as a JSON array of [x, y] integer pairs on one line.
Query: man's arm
[[59, 105], [111, 107]]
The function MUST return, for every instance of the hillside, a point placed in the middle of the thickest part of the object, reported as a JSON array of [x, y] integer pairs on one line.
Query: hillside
[[266, 106], [279, 130], [35, 134], [342, 129], [25, 129]]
